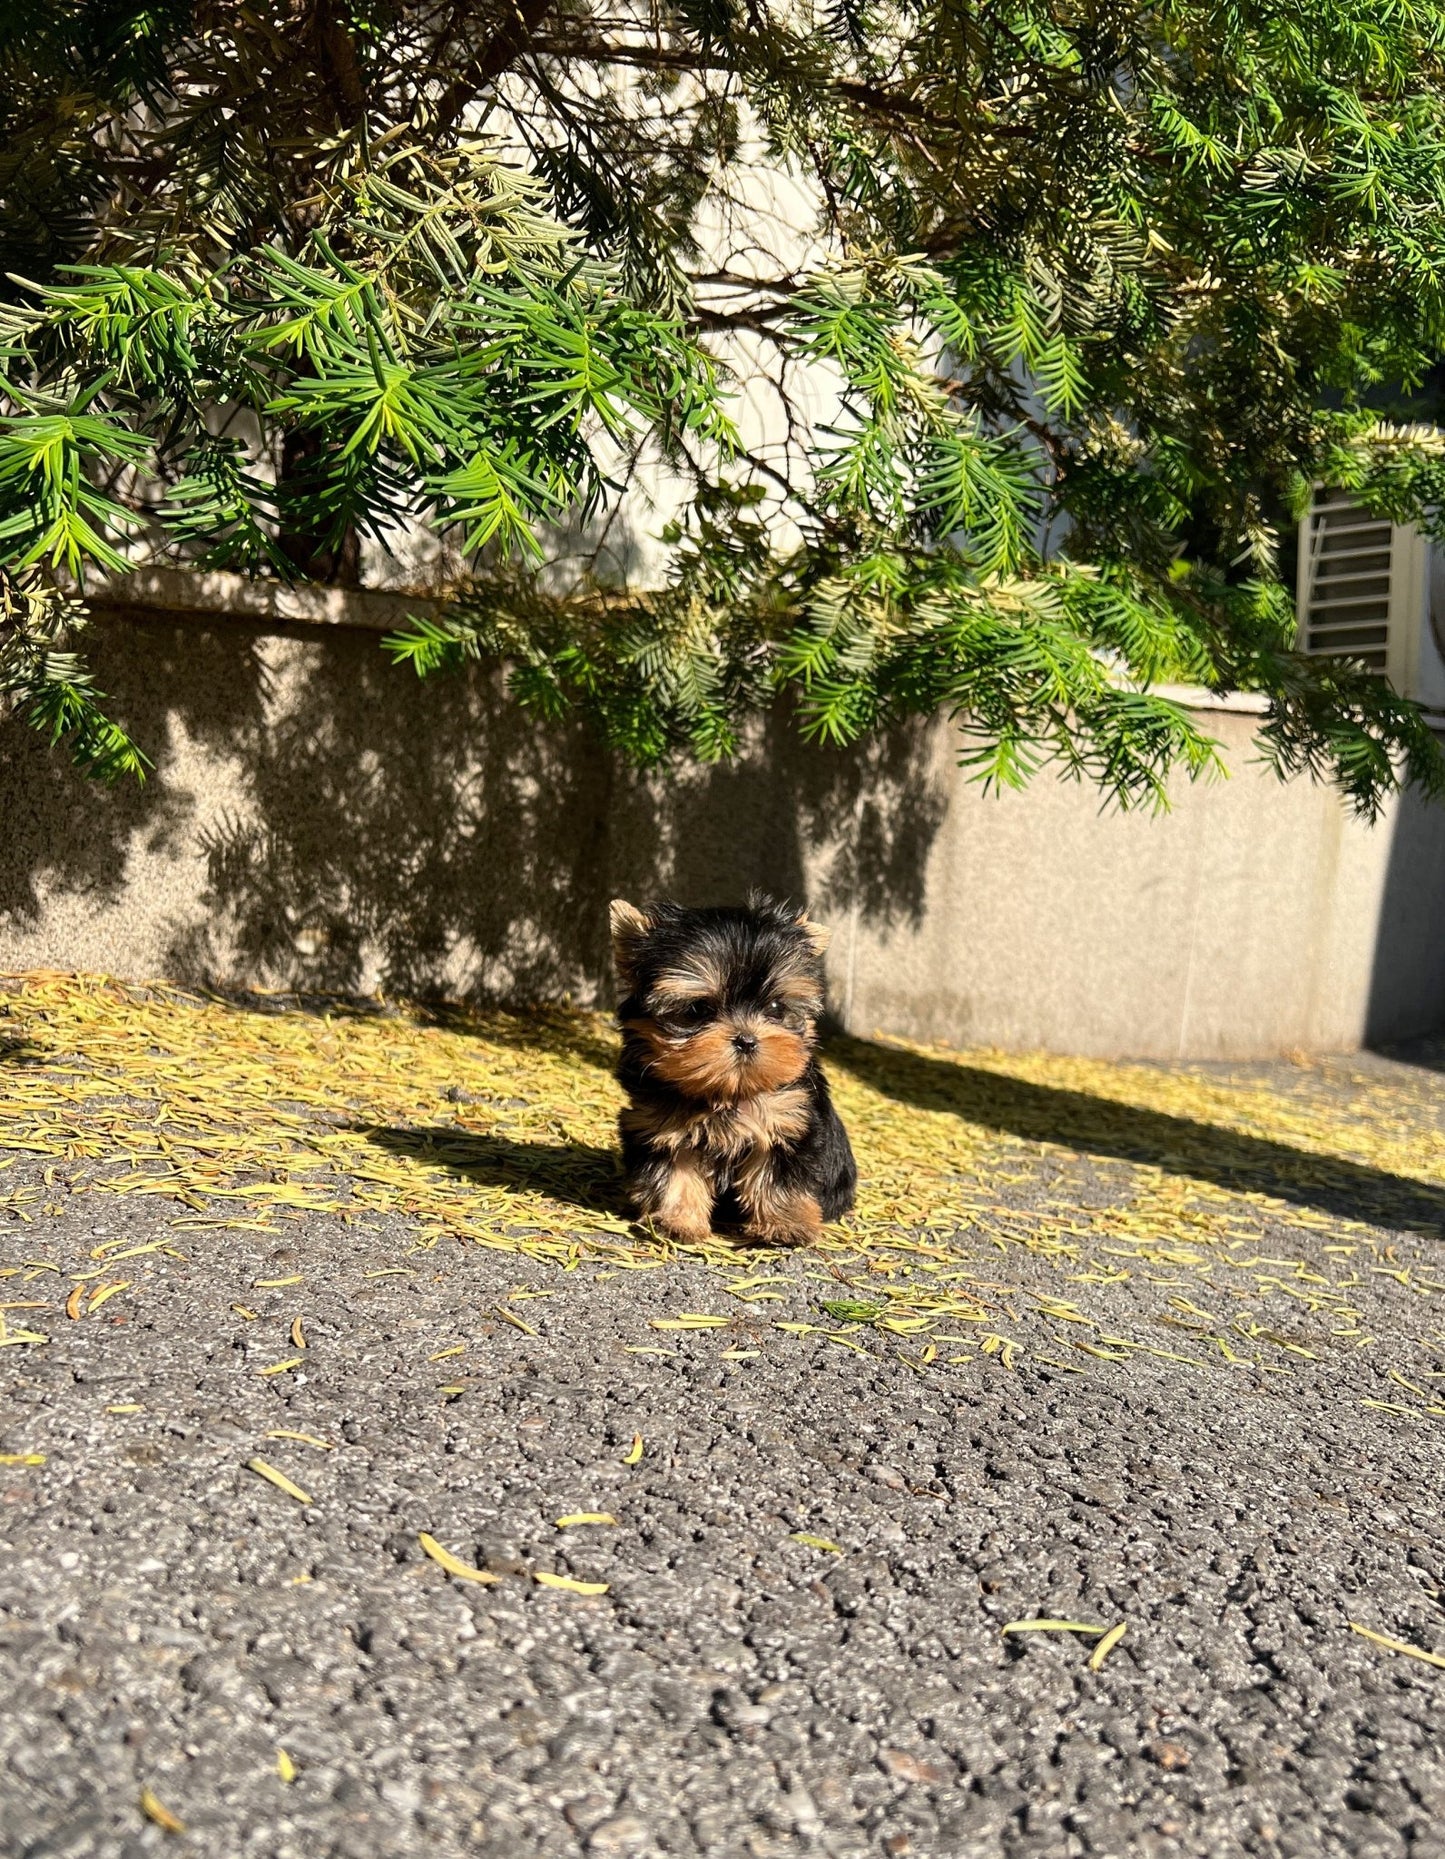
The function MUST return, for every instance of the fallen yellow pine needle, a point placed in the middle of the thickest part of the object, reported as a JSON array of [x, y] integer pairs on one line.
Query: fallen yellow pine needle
[[158, 1812], [280, 1368], [104, 1294], [124, 1407], [456, 1349], [242, 1311], [1052, 1626], [1382, 1639], [633, 1454], [74, 1301], [22, 1458], [279, 1479], [298, 1335], [569, 1582], [1107, 1644], [275, 1284], [454, 1564], [306, 1439], [584, 1516], [815, 1542], [689, 1320], [510, 1316], [285, 1767]]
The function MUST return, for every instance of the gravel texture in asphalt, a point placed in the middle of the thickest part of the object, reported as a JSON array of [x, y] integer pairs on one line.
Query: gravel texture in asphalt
[[182, 1640]]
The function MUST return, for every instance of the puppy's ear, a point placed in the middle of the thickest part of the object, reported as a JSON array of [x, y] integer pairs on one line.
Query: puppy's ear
[[818, 937], [629, 926]]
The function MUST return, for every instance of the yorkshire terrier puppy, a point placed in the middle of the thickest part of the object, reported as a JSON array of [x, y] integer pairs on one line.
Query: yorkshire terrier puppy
[[730, 1122]]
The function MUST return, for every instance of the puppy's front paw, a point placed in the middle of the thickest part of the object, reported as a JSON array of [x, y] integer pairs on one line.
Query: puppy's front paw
[[677, 1198], [690, 1232], [796, 1221]]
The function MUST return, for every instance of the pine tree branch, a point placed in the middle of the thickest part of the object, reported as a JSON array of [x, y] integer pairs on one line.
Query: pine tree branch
[[340, 65], [511, 39], [867, 97]]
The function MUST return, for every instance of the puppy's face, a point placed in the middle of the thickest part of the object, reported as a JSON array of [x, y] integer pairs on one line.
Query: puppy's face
[[725, 1001]]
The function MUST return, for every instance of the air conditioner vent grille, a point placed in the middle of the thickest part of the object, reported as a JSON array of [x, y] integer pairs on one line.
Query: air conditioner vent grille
[[1346, 609]]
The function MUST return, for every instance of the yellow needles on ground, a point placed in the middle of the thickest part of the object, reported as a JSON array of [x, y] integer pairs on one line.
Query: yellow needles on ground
[[1052, 1626], [1106, 1645], [279, 1479], [158, 1812], [976, 1170], [454, 1564], [1404, 1646], [570, 1583]]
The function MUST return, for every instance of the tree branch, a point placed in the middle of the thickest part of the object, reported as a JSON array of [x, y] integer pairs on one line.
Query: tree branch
[[341, 67], [513, 37], [867, 97]]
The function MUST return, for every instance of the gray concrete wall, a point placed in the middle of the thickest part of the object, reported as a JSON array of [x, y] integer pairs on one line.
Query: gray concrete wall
[[318, 819]]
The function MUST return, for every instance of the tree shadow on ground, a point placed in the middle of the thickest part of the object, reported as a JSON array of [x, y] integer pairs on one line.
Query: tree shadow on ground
[[1122, 1132], [560, 1031], [1428, 1054], [582, 1174]]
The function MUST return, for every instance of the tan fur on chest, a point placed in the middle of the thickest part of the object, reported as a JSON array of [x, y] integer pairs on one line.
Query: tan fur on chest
[[726, 1132]]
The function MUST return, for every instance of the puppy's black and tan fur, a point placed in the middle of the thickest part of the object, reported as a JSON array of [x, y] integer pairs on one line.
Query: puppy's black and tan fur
[[730, 1122]]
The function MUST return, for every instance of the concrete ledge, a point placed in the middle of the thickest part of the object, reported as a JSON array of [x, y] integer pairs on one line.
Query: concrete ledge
[[1228, 703], [212, 595]]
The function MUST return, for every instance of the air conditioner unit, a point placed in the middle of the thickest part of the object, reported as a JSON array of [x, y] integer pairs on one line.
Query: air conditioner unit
[[1374, 591]]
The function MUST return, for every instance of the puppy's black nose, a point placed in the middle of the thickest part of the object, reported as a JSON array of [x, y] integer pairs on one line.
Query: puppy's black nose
[[745, 1044]]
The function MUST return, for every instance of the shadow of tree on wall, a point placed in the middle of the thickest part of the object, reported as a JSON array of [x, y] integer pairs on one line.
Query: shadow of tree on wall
[[343, 826], [1124, 1132], [71, 834]]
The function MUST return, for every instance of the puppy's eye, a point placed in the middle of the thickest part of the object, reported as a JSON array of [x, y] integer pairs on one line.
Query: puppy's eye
[[693, 1013], [776, 1009]]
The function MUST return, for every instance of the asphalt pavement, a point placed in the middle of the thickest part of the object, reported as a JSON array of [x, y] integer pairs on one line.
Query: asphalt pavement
[[186, 1645]]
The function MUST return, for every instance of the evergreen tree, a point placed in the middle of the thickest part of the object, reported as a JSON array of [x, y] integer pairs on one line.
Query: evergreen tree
[[1093, 292]]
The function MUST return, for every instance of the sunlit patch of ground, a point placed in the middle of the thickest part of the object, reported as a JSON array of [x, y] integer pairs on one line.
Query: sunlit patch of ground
[[1004, 1200]]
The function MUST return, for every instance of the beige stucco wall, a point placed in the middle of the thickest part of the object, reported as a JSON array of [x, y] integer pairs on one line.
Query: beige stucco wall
[[317, 818], [1255, 918]]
